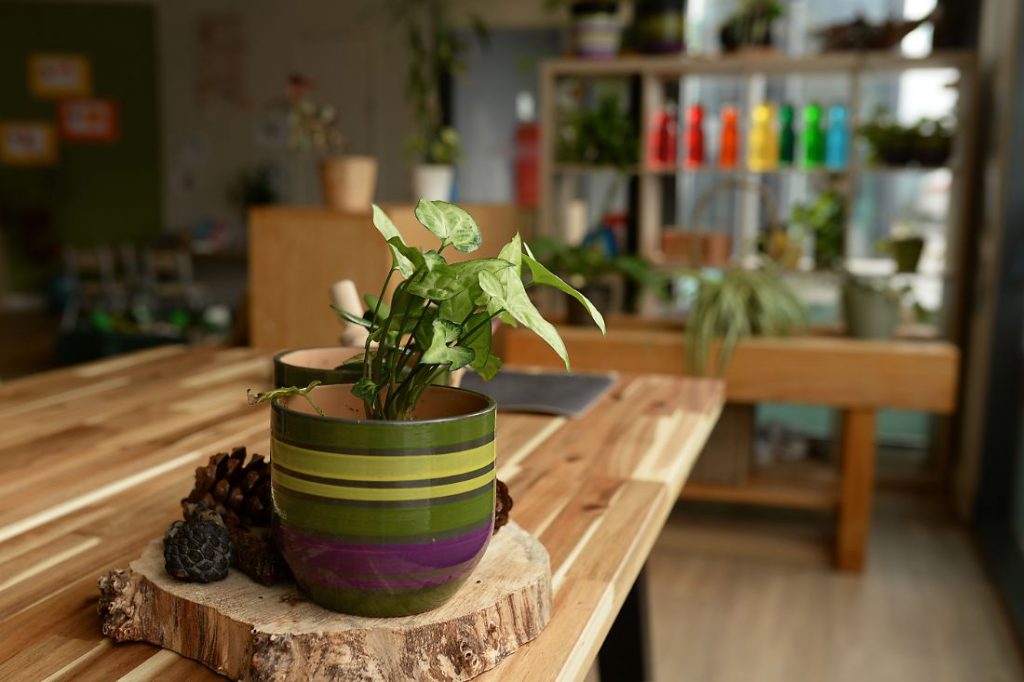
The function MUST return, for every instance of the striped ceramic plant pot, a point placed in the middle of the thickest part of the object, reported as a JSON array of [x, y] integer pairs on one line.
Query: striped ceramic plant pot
[[300, 366], [383, 518]]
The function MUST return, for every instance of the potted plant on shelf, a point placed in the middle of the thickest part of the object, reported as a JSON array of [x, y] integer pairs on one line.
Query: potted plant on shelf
[[605, 135], [927, 143], [659, 26], [592, 270], [825, 220], [436, 56], [906, 246], [348, 181], [384, 488], [872, 306], [751, 26], [735, 304]]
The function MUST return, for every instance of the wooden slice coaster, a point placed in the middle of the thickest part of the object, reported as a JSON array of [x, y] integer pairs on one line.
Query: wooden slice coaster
[[246, 631]]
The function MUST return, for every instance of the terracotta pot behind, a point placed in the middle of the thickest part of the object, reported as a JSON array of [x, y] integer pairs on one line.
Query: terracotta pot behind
[[349, 182]]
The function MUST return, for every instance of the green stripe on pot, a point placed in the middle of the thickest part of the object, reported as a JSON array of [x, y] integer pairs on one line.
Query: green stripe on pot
[[333, 491], [383, 525], [413, 483], [379, 604], [291, 422], [376, 468]]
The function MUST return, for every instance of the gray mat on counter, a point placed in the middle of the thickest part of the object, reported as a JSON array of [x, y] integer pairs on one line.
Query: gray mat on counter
[[567, 395]]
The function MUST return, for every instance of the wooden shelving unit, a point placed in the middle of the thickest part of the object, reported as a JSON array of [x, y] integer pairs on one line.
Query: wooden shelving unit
[[648, 76]]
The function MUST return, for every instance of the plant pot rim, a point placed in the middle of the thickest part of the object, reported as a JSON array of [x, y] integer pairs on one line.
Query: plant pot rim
[[489, 406], [281, 355]]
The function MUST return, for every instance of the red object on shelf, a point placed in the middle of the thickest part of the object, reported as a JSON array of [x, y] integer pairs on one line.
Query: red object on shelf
[[728, 150], [695, 136], [663, 139], [526, 154]]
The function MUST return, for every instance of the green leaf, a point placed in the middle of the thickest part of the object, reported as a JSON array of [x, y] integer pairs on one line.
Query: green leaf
[[437, 284], [440, 353], [385, 225], [485, 363], [541, 275], [349, 317], [365, 389], [399, 258], [451, 224], [509, 294], [372, 302], [457, 308], [513, 252]]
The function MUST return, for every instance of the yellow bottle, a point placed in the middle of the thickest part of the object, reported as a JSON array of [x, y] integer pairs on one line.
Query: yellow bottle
[[763, 143]]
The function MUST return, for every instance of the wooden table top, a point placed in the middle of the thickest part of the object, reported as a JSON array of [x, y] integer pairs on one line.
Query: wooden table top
[[94, 460]]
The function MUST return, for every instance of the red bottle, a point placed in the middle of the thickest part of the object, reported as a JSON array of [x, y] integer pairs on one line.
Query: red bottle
[[695, 136], [663, 139], [728, 149]]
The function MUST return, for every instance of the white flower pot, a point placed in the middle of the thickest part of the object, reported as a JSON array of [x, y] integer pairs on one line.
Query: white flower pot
[[433, 182]]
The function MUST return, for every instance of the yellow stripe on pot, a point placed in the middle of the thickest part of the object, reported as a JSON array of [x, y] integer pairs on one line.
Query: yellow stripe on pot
[[377, 468], [339, 492]]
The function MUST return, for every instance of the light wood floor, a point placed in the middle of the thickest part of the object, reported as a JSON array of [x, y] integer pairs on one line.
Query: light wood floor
[[737, 595]]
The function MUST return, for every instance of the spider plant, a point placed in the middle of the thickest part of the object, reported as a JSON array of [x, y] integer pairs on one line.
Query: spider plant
[[737, 304]]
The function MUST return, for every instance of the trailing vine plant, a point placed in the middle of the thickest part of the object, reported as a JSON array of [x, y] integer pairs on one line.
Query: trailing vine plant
[[439, 316]]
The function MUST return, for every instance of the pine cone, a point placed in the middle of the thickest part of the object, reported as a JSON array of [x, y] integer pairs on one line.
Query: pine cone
[[198, 550], [239, 492], [256, 555], [502, 504]]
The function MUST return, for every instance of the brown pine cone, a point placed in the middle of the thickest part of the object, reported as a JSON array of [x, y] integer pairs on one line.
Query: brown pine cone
[[239, 492], [502, 504], [256, 555]]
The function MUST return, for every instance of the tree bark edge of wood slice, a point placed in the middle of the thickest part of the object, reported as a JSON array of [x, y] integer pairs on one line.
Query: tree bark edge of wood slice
[[246, 631]]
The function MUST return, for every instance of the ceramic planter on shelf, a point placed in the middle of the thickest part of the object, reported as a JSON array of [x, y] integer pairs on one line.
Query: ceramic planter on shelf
[[870, 312], [433, 181], [907, 253], [383, 518], [349, 182], [596, 29]]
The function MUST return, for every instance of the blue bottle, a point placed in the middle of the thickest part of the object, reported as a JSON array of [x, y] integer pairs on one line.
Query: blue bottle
[[837, 140]]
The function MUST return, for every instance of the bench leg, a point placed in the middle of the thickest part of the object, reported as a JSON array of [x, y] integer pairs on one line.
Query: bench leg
[[856, 488], [625, 654]]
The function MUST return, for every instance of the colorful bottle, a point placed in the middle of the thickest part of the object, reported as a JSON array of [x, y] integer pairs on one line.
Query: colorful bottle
[[837, 142], [662, 151], [695, 136], [787, 136], [813, 139], [728, 146], [763, 144]]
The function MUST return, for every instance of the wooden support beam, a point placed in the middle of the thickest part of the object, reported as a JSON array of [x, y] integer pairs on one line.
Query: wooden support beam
[[856, 483]]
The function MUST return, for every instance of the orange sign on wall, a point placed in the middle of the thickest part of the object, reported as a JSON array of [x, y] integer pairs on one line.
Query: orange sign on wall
[[88, 120], [59, 75], [31, 143]]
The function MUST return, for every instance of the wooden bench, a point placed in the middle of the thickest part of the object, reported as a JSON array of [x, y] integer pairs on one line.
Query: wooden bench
[[856, 377]]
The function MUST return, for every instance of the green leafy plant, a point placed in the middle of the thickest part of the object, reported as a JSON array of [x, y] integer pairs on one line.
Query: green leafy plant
[[751, 25], [737, 304], [927, 142], [312, 125], [605, 135], [825, 219], [439, 317], [436, 56], [584, 264]]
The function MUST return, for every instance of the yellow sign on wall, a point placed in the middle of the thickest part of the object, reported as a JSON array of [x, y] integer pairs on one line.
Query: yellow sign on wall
[[29, 143], [59, 75]]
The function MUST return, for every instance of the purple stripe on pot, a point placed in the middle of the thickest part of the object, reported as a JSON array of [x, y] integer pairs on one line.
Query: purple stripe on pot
[[388, 583], [344, 558]]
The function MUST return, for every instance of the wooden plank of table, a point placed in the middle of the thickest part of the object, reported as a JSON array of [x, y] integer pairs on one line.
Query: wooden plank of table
[[842, 372], [596, 491]]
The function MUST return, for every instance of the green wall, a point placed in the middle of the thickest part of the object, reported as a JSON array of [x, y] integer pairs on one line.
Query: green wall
[[95, 194]]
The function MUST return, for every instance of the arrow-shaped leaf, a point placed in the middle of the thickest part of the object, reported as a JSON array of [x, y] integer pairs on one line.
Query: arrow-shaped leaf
[[451, 224], [440, 353]]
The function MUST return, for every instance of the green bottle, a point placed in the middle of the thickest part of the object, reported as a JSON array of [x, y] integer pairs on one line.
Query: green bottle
[[787, 136], [813, 137]]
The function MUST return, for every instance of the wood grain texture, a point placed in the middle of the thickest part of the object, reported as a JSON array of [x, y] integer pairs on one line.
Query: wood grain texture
[[246, 631], [594, 491], [911, 375], [298, 253]]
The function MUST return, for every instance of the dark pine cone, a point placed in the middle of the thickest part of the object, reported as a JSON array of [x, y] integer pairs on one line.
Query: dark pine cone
[[239, 492], [502, 504], [198, 550], [256, 555]]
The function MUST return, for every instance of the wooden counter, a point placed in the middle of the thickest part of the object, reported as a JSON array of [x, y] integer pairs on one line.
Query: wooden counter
[[95, 459]]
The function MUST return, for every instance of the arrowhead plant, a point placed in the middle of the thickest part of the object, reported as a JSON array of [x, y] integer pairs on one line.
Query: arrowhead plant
[[439, 316]]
